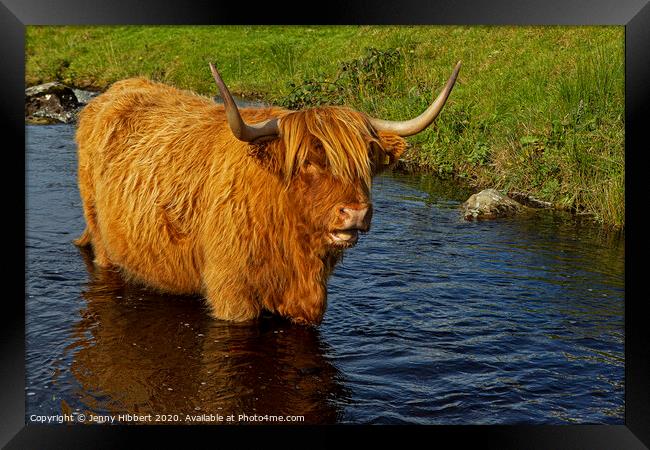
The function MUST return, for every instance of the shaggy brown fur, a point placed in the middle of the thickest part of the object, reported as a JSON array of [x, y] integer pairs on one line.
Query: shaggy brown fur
[[176, 202]]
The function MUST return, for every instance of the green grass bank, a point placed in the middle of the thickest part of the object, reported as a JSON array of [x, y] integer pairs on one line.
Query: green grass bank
[[538, 110]]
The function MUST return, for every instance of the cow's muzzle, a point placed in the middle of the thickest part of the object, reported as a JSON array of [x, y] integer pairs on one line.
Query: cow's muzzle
[[354, 219]]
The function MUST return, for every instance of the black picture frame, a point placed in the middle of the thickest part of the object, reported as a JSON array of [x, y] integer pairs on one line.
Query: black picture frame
[[633, 14]]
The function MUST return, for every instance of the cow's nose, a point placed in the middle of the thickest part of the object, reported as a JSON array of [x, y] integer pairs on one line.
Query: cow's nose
[[357, 217]]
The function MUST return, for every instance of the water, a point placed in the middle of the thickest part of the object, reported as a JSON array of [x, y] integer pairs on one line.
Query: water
[[431, 320]]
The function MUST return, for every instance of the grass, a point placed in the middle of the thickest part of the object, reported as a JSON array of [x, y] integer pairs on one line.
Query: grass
[[536, 109]]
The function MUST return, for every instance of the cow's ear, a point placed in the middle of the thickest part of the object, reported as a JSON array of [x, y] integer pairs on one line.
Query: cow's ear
[[266, 155], [392, 148]]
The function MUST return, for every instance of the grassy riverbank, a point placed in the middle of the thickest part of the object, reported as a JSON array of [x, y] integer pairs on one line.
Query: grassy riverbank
[[538, 110]]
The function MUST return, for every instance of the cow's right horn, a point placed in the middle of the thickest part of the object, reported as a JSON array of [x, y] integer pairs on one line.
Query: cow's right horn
[[414, 126], [257, 132]]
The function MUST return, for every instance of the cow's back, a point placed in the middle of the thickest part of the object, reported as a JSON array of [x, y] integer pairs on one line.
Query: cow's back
[[145, 151]]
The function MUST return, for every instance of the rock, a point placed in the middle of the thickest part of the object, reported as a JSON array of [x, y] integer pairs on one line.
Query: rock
[[54, 103], [84, 97], [490, 204]]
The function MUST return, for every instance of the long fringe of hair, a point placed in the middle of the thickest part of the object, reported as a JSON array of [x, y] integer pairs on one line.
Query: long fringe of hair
[[343, 134]]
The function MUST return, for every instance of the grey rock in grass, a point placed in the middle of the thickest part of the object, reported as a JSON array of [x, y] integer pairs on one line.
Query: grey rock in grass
[[490, 204]]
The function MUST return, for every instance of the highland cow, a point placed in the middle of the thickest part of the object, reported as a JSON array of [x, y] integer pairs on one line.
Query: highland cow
[[249, 208]]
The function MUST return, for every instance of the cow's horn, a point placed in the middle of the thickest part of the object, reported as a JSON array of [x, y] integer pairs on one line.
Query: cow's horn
[[257, 132], [414, 126]]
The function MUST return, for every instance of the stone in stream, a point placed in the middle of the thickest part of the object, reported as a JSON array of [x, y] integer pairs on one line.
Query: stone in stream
[[490, 204], [54, 103]]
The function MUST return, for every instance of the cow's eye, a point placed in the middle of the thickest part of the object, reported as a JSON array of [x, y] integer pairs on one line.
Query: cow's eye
[[310, 167]]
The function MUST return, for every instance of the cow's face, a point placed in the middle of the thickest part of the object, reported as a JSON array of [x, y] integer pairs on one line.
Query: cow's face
[[336, 209]]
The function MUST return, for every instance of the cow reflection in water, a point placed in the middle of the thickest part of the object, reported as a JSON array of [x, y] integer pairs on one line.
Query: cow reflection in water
[[139, 353]]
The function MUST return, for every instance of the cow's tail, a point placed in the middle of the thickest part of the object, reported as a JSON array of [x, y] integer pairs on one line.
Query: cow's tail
[[83, 240]]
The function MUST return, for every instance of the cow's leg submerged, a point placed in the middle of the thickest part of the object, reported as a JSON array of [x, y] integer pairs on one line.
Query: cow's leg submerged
[[228, 297], [304, 306], [305, 298], [302, 298]]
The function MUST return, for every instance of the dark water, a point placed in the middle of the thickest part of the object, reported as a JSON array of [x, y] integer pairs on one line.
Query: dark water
[[431, 320]]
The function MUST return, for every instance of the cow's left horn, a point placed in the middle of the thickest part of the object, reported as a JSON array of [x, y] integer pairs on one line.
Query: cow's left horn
[[414, 126], [257, 132]]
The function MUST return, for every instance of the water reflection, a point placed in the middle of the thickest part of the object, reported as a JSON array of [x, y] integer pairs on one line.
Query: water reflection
[[139, 352]]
